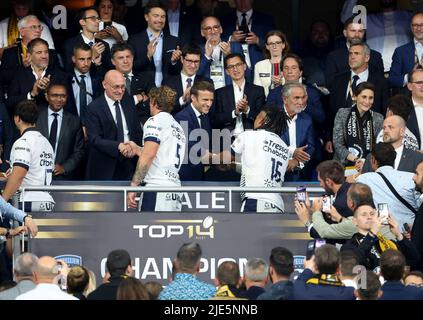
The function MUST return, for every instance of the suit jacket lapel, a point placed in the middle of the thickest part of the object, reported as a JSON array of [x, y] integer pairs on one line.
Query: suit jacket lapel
[[107, 112], [193, 117]]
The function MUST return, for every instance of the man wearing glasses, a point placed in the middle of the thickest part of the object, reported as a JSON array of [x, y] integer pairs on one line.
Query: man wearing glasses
[[415, 121], [236, 105], [111, 122], [17, 56], [89, 21], [214, 51], [182, 83], [408, 56]]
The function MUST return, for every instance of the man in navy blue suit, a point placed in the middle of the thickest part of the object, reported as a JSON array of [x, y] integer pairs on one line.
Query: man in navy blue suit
[[195, 116], [183, 82], [111, 122], [156, 52], [392, 268], [300, 135], [236, 105], [248, 27], [408, 56]]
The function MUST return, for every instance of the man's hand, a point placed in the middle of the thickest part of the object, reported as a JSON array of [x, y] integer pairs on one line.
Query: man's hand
[[301, 155], [141, 97], [176, 55], [30, 224], [39, 85], [393, 226], [97, 49], [187, 95], [130, 200], [302, 212], [292, 164], [151, 48], [252, 38], [277, 80], [209, 46], [225, 47], [334, 214], [242, 106], [359, 165], [103, 34], [58, 169], [238, 36], [329, 147], [125, 150], [17, 231], [376, 224], [136, 149], [26, 60]]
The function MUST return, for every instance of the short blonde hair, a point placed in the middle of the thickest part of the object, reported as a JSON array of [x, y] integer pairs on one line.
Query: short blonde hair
[[164, 97]]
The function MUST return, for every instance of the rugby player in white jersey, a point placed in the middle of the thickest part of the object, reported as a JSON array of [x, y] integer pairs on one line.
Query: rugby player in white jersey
[[31, 160], [161, 156], [264, 159]]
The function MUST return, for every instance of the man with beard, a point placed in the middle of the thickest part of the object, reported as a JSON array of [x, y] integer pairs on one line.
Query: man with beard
[[337, 60], [417, 230]]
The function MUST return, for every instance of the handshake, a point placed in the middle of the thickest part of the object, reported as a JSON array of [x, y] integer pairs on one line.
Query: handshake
[[129, 149]]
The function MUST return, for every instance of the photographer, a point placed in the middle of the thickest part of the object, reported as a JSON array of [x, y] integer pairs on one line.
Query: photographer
[[368, 243]]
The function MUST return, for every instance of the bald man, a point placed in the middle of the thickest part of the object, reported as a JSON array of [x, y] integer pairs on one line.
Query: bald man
[[394, 129], [47, 274], [111, 122]]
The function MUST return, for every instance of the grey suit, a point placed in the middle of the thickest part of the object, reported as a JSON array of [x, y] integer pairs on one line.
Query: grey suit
[[71, 146], [22, 287], [408, 163]]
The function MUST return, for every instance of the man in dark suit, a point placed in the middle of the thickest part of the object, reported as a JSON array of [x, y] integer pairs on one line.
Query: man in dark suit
[[84, 83], [111, 122], [64, 132], [137, 85], [156, 52], [417, 230], [236, 105], [408, 56], [180, 22], [249, 28], [415, 121], [89, 21], [393, 133], [214, 51], [303, 144], [16, 56], [182, 83], [392, 269], [337, 61], [30, 82], [195, 116], [345, 83]]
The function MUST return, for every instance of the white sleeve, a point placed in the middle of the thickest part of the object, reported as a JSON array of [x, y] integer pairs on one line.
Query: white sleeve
[[152, 131], [46, 35], [21, 154]]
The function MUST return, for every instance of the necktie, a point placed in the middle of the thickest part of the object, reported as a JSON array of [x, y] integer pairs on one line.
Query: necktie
[[354, 83], [244, 26], [82, 97], [119, 122], [127, 83], [53, 131], [189, 83]]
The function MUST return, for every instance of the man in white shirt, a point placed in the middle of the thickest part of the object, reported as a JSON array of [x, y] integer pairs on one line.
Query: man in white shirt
[[162, 155], [32, 161], [48, 272], [415, 121]]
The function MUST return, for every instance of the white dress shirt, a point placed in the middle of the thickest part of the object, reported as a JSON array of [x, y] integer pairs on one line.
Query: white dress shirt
[[76, 88], [185, 85], [28, 95], [59, 123], [197, 114], [112, 108], [419, 115], [120, 28], [238, 94], [173, 19], [292, 131], [362, 78], [157, 57], [398, 156]]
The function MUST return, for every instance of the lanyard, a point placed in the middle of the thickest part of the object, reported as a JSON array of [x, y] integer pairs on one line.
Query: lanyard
[[79, 85]]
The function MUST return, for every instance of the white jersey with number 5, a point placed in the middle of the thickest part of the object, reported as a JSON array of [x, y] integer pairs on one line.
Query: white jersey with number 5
[[264, 159], [163, 129], [33, 152]]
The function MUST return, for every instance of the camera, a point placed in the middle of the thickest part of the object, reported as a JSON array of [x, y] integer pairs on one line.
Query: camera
[[383, 212], [301, 194]]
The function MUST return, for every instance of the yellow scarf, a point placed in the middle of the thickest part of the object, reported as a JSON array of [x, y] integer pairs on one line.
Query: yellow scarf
[[386, 244], [12, 30]]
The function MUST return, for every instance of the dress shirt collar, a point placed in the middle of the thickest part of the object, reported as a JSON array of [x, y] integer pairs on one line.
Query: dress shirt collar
[[248, 16], [197, 113], [151, 34], [110, 102], [86, 40], [50, 112], [363, 75]]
